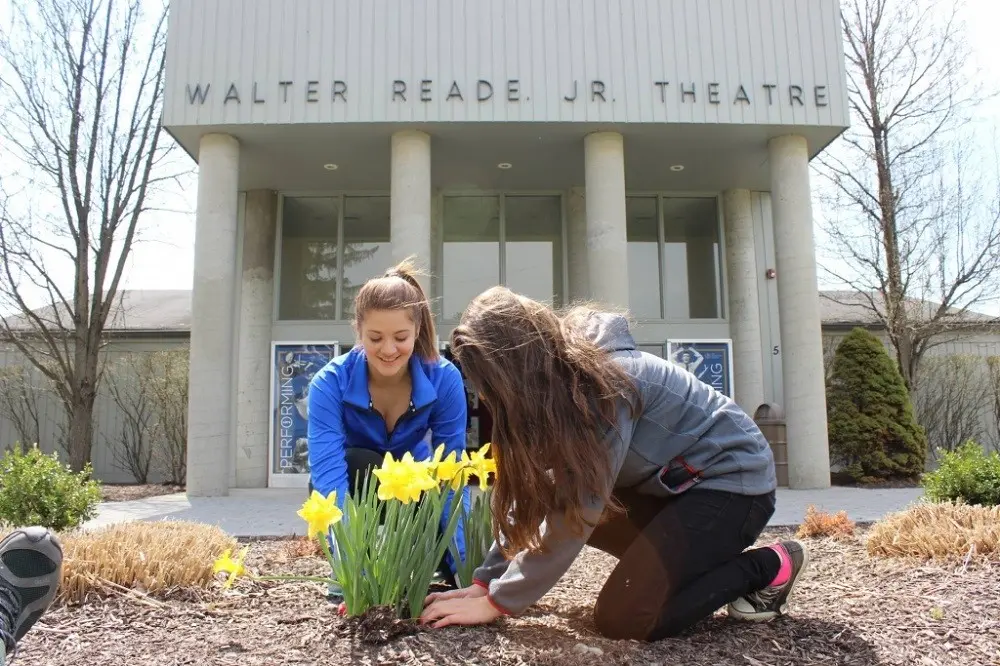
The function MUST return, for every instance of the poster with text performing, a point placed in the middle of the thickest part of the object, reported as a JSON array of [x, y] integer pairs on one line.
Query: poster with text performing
[[711, 361], [293, 365]]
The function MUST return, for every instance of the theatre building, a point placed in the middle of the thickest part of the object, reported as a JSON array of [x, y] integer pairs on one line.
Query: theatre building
[[648, 154]]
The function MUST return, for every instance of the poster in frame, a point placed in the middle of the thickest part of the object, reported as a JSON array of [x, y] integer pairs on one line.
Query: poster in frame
[[711, 361], [293, 365]]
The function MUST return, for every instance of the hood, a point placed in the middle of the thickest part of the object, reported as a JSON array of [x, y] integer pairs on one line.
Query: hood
[[608, 331]]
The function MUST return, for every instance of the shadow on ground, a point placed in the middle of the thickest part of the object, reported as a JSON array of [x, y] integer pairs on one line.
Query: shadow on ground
[[562, 637]]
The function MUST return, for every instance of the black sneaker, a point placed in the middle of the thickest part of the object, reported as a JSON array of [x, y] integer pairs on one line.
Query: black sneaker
[[30, 569], [772, 601]]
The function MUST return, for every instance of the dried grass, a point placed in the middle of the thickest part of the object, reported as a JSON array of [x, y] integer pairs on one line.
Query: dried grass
[[151, 558], [821, 524], [943, 531]]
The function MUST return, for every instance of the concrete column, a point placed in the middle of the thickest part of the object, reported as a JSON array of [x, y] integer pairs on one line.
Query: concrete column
[[212, 317], [254, 343], [798, 314], [576, 245], [410, 198], [607, 248], [744, 311]]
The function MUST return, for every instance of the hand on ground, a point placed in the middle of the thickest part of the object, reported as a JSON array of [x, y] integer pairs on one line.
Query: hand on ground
[[470, 592], [468, 610]]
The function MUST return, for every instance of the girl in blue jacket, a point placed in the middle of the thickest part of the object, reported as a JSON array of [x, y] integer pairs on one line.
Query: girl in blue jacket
[[392, 393]]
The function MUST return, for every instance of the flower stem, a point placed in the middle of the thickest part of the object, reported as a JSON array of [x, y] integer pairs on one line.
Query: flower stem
[[310, 579]]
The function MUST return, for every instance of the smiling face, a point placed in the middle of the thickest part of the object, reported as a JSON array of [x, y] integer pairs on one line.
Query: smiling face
[[388, 337]]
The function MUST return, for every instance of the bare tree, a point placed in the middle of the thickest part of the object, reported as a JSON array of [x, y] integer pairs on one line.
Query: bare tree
[[916, 226], [993, 368], [830, 344], [169, 388], [81, 89], [19, 404], [949, 402], [128, 381]]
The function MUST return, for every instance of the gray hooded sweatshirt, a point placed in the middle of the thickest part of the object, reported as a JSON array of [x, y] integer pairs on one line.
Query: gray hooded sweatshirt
[[687, 436]]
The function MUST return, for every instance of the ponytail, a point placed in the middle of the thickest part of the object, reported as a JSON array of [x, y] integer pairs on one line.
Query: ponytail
[[399, 289]]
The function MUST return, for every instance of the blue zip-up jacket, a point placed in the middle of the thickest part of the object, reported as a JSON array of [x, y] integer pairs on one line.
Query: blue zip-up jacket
[[341, 415]]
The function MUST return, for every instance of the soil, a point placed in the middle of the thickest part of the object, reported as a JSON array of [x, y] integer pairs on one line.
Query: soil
[[848, 610], [127, 492]]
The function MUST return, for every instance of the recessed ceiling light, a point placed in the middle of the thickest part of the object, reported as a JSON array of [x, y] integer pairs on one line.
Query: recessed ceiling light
[[677, 167], [504, 165], [330, 167]]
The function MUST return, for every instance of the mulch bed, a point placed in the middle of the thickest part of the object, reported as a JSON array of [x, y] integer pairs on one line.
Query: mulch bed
[[125, 493], [849, 610]]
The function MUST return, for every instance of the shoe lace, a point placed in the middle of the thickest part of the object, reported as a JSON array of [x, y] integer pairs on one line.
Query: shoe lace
[[10, 607], [765, 597]]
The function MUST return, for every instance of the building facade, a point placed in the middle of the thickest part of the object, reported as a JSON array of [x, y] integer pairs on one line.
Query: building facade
[[647, 154]]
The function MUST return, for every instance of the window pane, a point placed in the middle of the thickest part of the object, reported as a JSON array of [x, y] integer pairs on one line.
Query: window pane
[[367, 252], [533, 247], [691, 252], [643, 258], [308, 274], [471, 251]]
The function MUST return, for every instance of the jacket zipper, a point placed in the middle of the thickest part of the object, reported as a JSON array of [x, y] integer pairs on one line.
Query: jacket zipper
[[385, 426]]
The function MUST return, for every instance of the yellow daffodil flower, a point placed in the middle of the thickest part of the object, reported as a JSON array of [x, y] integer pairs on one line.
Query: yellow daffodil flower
[[403, 479], [233, 567], [451, 469], [320, 512], [481, 465]]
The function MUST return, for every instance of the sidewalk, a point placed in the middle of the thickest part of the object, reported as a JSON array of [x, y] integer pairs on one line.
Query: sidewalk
[[271, 512]]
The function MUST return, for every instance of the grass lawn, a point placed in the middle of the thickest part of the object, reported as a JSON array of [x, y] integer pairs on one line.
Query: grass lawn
[[849, 609]]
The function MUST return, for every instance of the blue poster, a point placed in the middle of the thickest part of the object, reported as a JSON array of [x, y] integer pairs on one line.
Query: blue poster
[[293, 366], [711, 361]]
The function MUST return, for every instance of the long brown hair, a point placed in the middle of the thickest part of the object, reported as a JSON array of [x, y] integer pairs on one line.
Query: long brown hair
[[398, 289], [553, 394]]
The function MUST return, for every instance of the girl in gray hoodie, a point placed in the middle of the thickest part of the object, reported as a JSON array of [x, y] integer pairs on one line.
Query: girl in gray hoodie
[[597, 443]]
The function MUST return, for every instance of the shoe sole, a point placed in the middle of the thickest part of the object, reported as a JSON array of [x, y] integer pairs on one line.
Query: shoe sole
[[18, 553], [767, 616]]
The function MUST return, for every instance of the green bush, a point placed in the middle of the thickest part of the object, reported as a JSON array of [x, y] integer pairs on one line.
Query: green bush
[[36, 490], [968, 473], [873, 431]]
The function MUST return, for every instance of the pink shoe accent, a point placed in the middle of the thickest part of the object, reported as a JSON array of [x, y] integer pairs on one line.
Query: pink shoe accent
[[785, 571]]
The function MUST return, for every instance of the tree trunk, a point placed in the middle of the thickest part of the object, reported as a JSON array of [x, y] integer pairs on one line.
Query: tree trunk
[[81, 433], [81, 407], [905, 357]]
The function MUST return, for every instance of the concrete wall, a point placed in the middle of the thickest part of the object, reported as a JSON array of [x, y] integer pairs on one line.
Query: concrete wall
[[771, 62], [767, 294], [107, 416]]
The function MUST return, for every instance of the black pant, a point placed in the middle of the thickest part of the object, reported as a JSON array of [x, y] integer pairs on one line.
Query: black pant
[[680, 560], [360, 464]]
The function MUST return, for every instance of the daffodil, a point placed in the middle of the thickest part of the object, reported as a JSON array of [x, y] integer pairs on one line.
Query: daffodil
[[233, 567], [403, 479], [451, 469], [320, 512], [481, 465]]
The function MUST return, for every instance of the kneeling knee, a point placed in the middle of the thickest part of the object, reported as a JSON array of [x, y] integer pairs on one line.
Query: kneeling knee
[[618, 623]]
